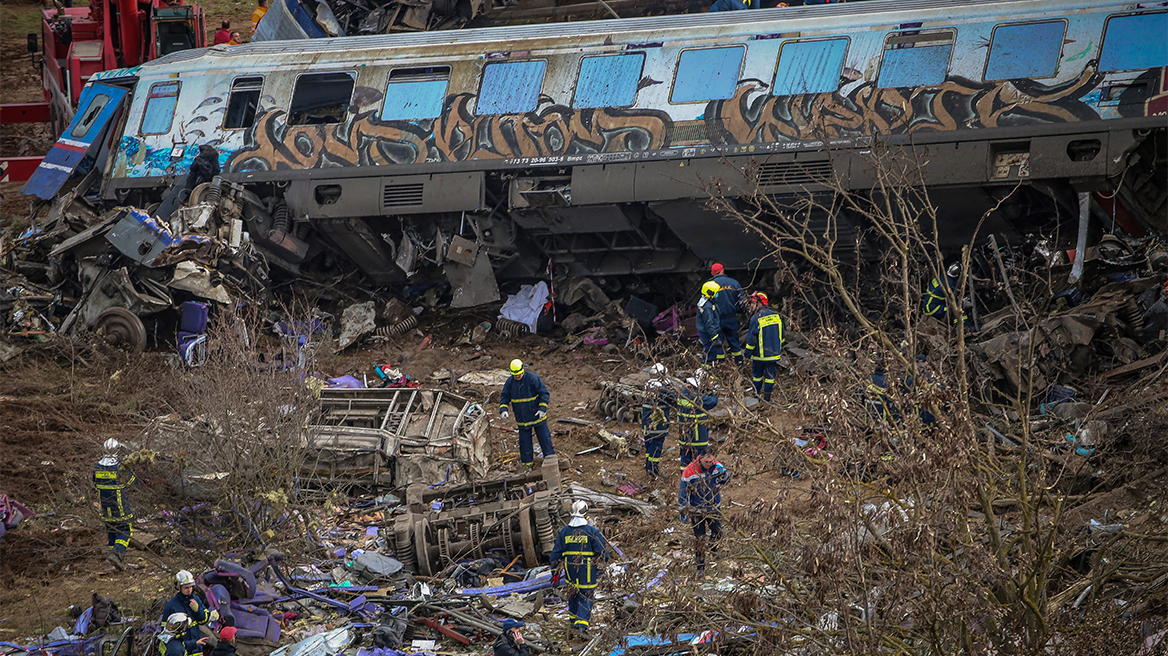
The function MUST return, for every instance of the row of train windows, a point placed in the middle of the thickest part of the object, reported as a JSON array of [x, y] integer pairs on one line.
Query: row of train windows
[[911, 58]]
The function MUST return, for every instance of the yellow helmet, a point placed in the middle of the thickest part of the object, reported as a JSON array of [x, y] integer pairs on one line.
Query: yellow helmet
[[710, 289], [516, 367]]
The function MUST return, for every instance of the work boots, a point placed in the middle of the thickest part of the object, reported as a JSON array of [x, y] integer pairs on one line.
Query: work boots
[[118, 560]]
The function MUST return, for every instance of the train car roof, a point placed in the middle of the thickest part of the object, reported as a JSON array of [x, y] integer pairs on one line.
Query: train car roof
[[838, 17]]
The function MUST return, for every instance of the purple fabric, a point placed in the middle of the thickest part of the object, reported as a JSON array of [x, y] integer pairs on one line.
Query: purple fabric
[[345, 382]]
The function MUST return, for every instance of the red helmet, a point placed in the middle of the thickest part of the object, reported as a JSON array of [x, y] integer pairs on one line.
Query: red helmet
[[760, 297], [716, 270]]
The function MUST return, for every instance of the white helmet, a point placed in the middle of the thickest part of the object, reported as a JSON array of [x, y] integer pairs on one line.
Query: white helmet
[[658, 370], [579, 508], [177, 622], [184, 578], [112, 445]]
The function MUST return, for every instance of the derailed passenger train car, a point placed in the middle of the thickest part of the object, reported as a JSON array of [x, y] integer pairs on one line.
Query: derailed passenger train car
[[594, 144]]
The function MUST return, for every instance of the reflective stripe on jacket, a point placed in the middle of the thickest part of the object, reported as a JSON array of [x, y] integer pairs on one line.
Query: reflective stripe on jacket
[[111, 483], [580, 547], [765, 339], [525, 397], [709, 321]]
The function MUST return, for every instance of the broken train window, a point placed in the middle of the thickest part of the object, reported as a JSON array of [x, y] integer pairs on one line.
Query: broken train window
[[243, 102], [915, 58], [89, 119], [1026, 50], [321, 98], [160, 104], [609, 81], [809, 66], [415, 94], [510, 87]]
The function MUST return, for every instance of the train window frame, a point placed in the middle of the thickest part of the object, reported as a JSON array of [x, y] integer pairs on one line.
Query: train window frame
[[150, 98], [231, 95], [1103, 68], [843, 62], [985, 74], [580, 78], [89, 118], [538, 89], [677, 70], [351, 74], [414, 75], [916, 34]]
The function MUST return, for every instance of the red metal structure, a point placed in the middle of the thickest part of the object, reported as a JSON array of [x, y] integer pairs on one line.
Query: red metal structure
[[80, 41]]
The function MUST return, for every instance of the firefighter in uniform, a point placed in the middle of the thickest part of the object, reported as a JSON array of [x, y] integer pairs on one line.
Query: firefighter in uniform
[[692, 405], [173, 638], [111, 483], [765, 344], [709, 324], [656, 414], [936, 301], [729, 302], [583, 550], [186, 602], [526, 394]]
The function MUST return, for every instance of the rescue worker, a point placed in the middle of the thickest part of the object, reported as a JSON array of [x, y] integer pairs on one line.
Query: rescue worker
[[729, 301], [526, 394], [185, 601], [936, 300], [510, 642], [258, 14], [226, 646], [709, 324], [111, 483], [656, 414], [171, 641], [692, 405], [732, 5], [583, 550], [699, 502], [764, 342]]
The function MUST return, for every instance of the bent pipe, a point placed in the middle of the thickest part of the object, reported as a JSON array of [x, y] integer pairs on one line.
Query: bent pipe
[[305, 593]]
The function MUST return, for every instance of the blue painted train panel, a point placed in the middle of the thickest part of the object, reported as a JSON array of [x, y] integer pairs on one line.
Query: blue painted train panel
[[618, 90]]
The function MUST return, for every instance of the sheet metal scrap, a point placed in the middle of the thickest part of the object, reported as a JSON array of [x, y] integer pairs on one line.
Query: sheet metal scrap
[[396, 436]]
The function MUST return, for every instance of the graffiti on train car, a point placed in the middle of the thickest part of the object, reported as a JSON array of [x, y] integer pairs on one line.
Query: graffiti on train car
[[458, 135], [755, 116]]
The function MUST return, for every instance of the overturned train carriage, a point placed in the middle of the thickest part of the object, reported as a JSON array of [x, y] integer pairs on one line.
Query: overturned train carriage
[[594, 144]]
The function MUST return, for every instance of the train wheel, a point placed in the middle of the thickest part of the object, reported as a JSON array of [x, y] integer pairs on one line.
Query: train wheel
[[122, 329]]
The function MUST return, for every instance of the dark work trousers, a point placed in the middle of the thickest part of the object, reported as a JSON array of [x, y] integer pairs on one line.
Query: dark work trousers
[[119, 534], [703, 523], [526, 453], [730, 334], [763, 375], [653, 448], [690, 453]]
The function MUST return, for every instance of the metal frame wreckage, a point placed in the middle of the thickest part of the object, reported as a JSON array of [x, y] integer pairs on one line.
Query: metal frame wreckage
[[486, 154]]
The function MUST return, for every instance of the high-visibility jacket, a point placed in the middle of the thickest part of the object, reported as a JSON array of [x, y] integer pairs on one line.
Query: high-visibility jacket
[[111, 483], [700, 489], [730, 297], [581, 548], [691, 414], [525, 396], [709, 320], [181, 603], [657, 411], [765, 340], [935, 302], [256, 16]]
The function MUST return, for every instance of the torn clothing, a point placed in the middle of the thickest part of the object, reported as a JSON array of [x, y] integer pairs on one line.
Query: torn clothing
[[525, 397]]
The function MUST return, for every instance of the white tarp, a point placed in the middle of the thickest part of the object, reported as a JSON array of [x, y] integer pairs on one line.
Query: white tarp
[[525, 305]]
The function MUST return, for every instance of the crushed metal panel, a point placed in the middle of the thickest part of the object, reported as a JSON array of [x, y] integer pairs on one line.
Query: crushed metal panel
[[398, 436], [97, 108], [472, 285], [357, 321]]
